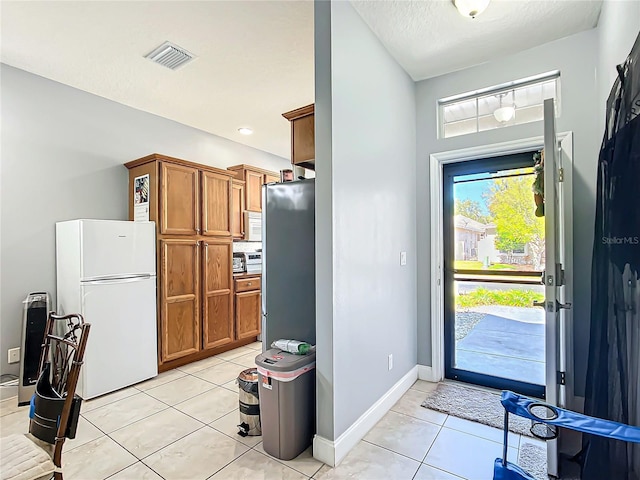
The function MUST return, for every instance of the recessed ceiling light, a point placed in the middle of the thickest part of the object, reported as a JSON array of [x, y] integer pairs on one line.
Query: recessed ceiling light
[[245, 131]]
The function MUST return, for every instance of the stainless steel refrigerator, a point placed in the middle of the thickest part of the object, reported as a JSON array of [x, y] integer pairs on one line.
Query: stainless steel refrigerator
[[288, 262]]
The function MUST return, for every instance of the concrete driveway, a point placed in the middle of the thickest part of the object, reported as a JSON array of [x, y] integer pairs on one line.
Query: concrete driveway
[[507, 342]]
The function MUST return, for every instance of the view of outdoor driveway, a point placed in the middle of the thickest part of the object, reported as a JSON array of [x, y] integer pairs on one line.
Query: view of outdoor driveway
[[500, 340], [499, 250]]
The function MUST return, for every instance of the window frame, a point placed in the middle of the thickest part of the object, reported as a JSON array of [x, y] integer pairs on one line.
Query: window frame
[[495, 90]]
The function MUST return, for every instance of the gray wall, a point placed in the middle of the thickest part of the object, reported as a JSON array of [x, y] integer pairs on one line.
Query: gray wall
[[324, 222], [618, 28], [373, 198], [62, 156], [576, 58]]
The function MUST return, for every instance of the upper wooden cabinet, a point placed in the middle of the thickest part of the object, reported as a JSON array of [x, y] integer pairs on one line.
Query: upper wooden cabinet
[[237, 204], [216, 204], [271, 178], [184, 198], [254, 181], [179, 200], [303, 143], [254, 178]]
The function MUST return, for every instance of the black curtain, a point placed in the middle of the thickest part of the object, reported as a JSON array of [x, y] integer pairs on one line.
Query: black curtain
[[613, 373]]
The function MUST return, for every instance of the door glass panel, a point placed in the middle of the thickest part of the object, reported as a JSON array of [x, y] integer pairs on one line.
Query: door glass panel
[[497, 331], [497, 250]]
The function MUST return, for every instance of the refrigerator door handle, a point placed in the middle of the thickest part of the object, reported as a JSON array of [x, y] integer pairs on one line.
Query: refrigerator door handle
[[124, 279]]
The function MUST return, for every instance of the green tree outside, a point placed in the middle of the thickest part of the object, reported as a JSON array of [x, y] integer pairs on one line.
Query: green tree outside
[[510, 201], [470, 209]]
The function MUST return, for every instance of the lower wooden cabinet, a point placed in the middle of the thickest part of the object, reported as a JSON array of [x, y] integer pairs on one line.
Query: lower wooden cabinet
[[217, 318], [248, 314], [179, 298], [201, 306]]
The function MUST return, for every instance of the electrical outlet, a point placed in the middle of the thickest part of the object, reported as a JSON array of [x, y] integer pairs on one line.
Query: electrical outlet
[[403, 258], [390, 361], [14, 355]]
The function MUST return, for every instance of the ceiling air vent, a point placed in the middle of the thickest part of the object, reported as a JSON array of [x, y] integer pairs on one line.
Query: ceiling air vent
[[170, 56]]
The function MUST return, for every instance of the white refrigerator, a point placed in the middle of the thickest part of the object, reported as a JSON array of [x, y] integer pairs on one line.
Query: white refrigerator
[[106, 270]]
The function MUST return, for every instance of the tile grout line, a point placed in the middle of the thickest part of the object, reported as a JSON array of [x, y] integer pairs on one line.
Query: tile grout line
[[434, 440], [186, 414], [281, 462], [168, 406], [226, 465], [389, 450], [420, 419]]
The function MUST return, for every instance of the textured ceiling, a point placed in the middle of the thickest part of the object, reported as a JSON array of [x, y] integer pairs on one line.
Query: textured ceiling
[[255, 59], [430, 38]]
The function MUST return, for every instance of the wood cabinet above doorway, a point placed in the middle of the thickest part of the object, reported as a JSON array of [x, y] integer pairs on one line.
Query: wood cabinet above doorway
[[303, 143]]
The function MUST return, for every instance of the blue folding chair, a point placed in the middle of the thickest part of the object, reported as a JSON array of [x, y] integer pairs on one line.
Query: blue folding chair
[[546, 419]]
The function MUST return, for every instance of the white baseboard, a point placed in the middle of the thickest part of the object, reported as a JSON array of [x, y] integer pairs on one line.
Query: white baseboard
[[425, 373], [333, 452]]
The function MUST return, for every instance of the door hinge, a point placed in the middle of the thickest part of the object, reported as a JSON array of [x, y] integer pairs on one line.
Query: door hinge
[[561, 175], [562, 378]]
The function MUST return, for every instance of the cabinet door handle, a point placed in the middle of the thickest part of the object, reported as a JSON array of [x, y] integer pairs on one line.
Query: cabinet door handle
[[249, 284]]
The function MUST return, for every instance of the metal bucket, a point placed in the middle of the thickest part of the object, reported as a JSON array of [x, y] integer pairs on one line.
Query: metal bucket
[[249, 403]]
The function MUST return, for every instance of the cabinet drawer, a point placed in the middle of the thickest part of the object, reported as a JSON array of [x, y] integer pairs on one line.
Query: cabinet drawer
[[247, 284]]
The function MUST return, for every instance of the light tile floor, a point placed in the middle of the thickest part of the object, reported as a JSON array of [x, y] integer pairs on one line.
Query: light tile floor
[[183, 425]]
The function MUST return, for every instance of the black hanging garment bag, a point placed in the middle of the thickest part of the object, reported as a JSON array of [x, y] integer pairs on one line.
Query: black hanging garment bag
[[613, 373]]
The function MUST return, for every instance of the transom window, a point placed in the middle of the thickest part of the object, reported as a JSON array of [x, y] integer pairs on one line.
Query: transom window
[[520, 101]]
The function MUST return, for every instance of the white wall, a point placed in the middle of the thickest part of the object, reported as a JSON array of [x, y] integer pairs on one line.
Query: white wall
[[368, 102], [618, 28], [576, 58], [63, 152]]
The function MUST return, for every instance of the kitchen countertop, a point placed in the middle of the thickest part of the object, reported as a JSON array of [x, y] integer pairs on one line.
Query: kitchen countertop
[[246, 275]]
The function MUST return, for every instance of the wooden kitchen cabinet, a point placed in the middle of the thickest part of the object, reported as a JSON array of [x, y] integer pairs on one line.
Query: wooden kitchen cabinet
[[237, 202], [192, 206], [179, 200], [217, 299], [271, 178], [254, 181], [303, 143], [216, 204], [248, 305], [254, 178], [179, 298]]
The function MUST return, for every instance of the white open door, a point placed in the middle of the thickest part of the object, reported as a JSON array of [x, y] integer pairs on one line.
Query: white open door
[[557, 276]]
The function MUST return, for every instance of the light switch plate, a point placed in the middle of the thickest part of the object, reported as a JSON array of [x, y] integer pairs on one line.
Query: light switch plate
[[403, 258], [390, 361], [13, 355]]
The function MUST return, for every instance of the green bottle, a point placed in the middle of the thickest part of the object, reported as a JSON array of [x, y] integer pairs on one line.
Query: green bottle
[[292, 346]]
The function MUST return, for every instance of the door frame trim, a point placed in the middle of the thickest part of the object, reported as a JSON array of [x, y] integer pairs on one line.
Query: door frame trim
[[436, 163]]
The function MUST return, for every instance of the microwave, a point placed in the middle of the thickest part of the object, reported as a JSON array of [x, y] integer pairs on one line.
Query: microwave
[[253, 226]]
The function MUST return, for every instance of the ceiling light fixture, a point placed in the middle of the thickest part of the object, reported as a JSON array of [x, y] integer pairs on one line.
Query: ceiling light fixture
[[471, 8], [504, 114], [245, 131]]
